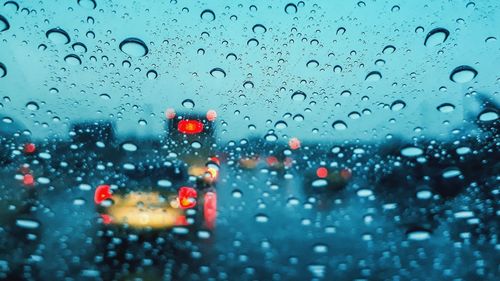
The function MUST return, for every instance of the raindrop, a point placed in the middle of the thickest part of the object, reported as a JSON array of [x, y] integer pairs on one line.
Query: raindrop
[[320, 248], [446, 107], [280, 125], [188, 103], [259, 28], [389, 49], [339, 125], [207, 15], [424, 194], [373, 76], [79, 47], [364, 192], [319, 183], [354, 115], [248, 85], [27, 223], [4, 24], [436, 36], [73, 59], [312, 63], [151, 74], [299, 96], [231, 56], [253, 42], [32, 106], [290, 8], [218, 73], [298, 118], [87, 3], [411, 151], [237, 193], [451, 173], [271, 137], [398, 105], [261, 218], [463, 74], [418, 234], [3, 70], [58, 36], [488, 115], [128, 146], [134, 47]]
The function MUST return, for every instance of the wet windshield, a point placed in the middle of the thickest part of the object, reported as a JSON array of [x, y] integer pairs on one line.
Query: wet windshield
[[249, 140]]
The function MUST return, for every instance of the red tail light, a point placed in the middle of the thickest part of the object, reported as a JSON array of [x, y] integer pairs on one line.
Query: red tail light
[[322, 172], [210, 208], [187, 197], [190, 127], [102, 192]]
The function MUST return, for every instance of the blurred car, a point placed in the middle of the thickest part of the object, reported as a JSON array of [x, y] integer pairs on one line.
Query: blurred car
[[192, 138]]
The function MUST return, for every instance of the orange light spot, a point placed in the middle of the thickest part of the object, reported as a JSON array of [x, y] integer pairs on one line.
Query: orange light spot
[[102, 192], [211, 115], [322, 172], [210, 208], [28, 180], [170, 113], [190, 126], [294, 143], [187, 197], [29, 148]]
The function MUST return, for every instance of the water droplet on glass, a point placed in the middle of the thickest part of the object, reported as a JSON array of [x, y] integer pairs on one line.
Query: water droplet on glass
[[58, 36], [79, 47], [237, 193], [128, 146], [451, 173], [271, 137], [446, 107], [207, 15], [218, 73], [418, 234], [339, 125], [134, 47], [261, 218], [436, 36], [259, 28], [398, 105], [3, 70], [299, 96], [411, 151], [4, 24], [27, 223], [488, 115], [90, 4], [73, 59], [389, 49], [290, 8], [312, 63], [280, 125], [188, 103], [298, 118], [32, 105], [248, 85], [373, 76], [151, 74], [463, 74]]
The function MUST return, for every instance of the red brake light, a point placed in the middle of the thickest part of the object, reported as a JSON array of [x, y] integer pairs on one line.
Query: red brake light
[[210, 208], [190, 127], [102, 192], [322, 172], [29, 148], [187, 197]]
